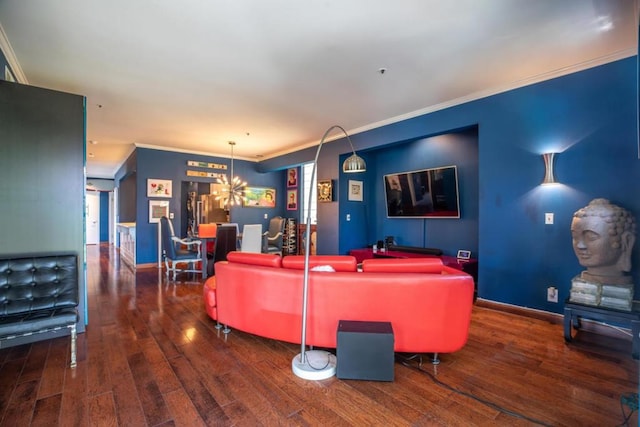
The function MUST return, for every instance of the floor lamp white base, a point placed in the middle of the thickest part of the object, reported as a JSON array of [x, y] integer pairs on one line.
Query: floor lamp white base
[[319, 365]]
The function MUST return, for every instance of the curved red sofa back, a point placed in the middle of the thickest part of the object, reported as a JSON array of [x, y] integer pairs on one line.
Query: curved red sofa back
[[429, 312]]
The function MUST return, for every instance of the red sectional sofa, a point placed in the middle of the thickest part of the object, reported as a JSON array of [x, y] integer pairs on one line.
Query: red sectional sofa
[[428, 304]]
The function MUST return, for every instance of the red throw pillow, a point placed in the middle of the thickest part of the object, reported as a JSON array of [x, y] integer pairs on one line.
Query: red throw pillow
[[402, 265], [252, 258], [337, 262]]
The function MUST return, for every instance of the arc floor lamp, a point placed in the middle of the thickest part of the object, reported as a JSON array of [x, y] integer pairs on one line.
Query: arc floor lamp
[[318, 364]]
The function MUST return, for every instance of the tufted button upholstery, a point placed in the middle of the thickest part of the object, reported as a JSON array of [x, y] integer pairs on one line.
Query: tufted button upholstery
[[39, 293], [31, 284]]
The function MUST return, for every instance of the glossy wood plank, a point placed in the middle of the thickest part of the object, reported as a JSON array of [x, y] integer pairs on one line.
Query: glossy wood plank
[[52, 380], [20, 408], [150, 356], [10, 374], [47, 411], [74, 409], [102, 410]]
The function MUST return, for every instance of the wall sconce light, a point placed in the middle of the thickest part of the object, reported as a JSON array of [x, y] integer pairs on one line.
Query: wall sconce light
[[549, 176]]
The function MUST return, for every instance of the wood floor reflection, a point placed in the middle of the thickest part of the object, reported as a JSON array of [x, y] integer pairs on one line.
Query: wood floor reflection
[[151, 357]]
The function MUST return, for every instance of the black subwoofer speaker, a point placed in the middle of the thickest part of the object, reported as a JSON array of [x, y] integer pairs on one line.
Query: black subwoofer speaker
[[365, 350]]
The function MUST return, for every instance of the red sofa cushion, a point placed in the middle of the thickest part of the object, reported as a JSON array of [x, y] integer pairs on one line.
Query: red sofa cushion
[[400, 265], [266, 260], [338, 262]]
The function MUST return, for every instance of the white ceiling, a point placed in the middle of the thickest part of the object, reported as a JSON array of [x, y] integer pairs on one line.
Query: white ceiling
[[273, 75]]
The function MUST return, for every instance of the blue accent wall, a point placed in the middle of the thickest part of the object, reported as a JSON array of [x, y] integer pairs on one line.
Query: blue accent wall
[[368, 219], [589, 118], [159, 164]]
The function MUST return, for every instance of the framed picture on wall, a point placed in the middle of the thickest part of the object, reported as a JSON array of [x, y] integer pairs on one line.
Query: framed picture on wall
[[325, 190], [260, 197], [158, 209], [292, 177], [292, 200], [355, 191], [159, 188]]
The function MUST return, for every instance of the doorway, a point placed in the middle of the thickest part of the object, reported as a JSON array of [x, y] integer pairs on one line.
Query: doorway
[[92, 214]]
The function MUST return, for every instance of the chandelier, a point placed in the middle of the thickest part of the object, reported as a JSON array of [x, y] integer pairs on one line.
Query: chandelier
[[233, 190]]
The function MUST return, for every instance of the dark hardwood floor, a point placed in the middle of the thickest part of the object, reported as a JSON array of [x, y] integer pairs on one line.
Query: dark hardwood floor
[[151, 356]]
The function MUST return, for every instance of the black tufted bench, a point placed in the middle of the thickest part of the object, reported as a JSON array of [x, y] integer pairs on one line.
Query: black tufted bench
[[38, 293]]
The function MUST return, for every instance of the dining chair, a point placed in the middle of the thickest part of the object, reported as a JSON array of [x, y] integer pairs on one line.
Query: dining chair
[[177, 251], [251, 238]]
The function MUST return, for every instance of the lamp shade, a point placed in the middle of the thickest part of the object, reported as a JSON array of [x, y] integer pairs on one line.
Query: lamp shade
[[354, 164]]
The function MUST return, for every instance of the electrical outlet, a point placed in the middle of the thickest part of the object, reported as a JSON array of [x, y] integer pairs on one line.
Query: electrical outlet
[[266, 216], [552, 294], [348, 217], [170, 215]]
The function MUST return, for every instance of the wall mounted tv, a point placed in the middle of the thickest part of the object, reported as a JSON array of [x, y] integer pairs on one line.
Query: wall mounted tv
[[426, 193]]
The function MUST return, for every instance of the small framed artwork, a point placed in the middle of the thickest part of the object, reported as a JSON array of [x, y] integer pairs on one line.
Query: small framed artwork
[[292, 177], [159, 188], [158, 209], [260, 197], [292, 200], [355, 191], [464, 254], [325, 190]]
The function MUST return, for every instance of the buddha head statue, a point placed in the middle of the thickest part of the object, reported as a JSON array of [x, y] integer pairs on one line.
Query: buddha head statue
[[603, 235]]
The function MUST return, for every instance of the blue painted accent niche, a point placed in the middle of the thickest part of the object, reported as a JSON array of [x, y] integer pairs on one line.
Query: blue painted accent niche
[[369, 222], [588, 117]]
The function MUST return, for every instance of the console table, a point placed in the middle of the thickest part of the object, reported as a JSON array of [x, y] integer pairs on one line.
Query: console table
[[574, 311], [127, 234]]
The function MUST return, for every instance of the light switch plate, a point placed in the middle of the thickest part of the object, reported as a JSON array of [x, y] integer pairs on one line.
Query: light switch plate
[[548, 218]]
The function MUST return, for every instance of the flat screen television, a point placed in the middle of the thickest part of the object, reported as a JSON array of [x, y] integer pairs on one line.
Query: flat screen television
[[426, 193]]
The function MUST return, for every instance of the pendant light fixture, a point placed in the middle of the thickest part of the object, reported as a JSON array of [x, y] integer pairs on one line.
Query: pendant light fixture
[[232, 188]]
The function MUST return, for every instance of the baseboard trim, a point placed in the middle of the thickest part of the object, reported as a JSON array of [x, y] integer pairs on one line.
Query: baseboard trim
[[555, 318], [147, 265], [521, 311]]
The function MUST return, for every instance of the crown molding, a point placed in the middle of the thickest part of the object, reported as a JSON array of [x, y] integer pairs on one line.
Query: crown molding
[[202, 153], [10, 55], [626, 53]]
